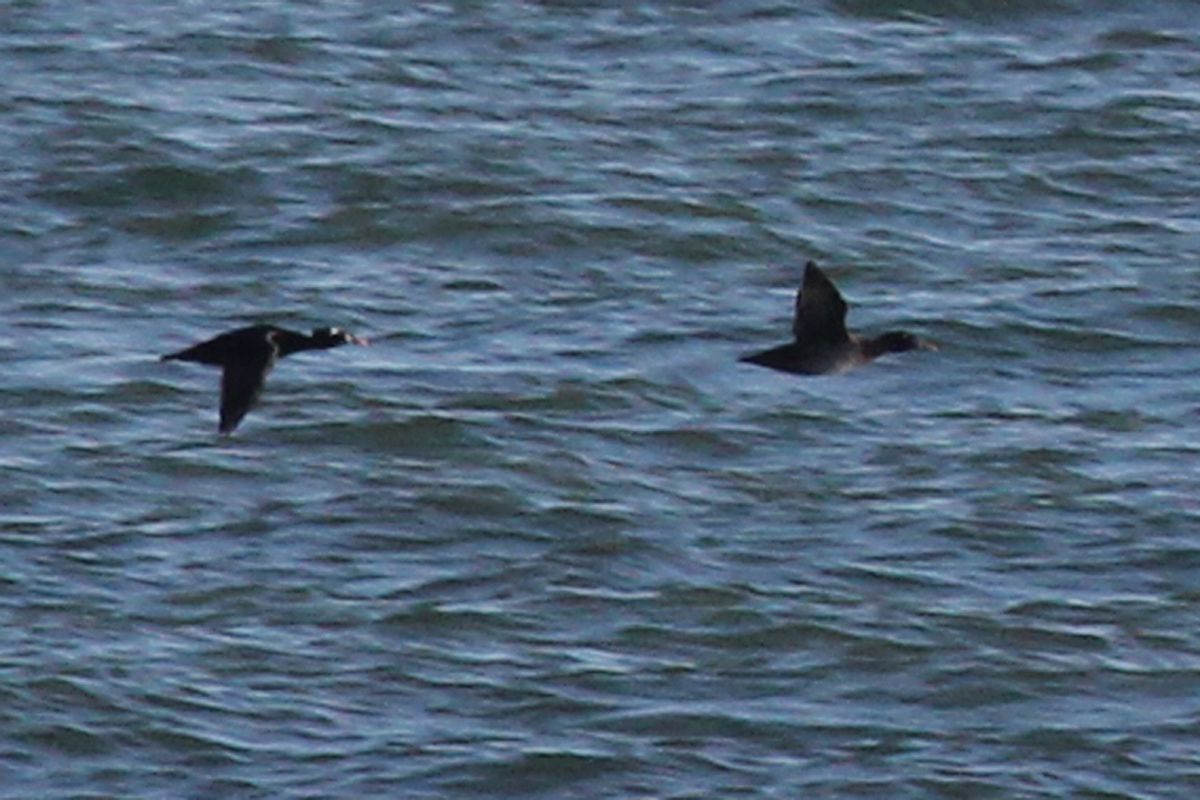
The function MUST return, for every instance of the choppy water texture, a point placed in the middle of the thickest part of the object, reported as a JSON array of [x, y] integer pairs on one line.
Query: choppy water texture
[[546, 537]]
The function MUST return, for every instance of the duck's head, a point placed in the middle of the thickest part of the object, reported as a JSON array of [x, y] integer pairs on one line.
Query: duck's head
[[335, 337], [897, 342]]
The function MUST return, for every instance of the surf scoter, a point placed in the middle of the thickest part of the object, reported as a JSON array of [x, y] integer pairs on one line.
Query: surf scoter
[[246, 355], [822, 345]]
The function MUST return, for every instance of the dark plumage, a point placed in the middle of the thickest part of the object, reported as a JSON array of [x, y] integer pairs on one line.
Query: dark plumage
[[822, 345], [246, 355]]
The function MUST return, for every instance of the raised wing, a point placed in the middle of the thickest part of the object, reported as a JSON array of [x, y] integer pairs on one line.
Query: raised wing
[[820, 310]]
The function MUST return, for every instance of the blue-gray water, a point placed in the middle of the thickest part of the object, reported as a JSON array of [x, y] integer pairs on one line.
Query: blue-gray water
[[546, 538]]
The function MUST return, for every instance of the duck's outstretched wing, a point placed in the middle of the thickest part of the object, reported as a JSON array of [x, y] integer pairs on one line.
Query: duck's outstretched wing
[[242, 385], [820, 310]]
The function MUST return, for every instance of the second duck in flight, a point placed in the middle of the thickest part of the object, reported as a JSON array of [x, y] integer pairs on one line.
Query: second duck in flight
[[822, 345], [246, 355]]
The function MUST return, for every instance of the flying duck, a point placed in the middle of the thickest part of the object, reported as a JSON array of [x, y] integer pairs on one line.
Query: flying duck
[[246, 355], [822, 346]]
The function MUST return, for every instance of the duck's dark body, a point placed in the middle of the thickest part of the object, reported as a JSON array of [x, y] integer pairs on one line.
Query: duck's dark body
[[822, 345], [247, 355]]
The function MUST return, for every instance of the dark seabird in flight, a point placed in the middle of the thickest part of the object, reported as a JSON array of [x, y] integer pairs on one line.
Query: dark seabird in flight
[[246, 355], [822, 346]]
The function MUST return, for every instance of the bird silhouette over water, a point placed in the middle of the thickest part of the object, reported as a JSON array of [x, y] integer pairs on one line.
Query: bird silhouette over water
[[247, 355], [822, 345]]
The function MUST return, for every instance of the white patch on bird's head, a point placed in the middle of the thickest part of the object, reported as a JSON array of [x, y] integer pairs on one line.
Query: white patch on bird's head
[[337, 335]]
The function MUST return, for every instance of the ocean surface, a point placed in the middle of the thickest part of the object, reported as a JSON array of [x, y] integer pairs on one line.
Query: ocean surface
[[546, 537]]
